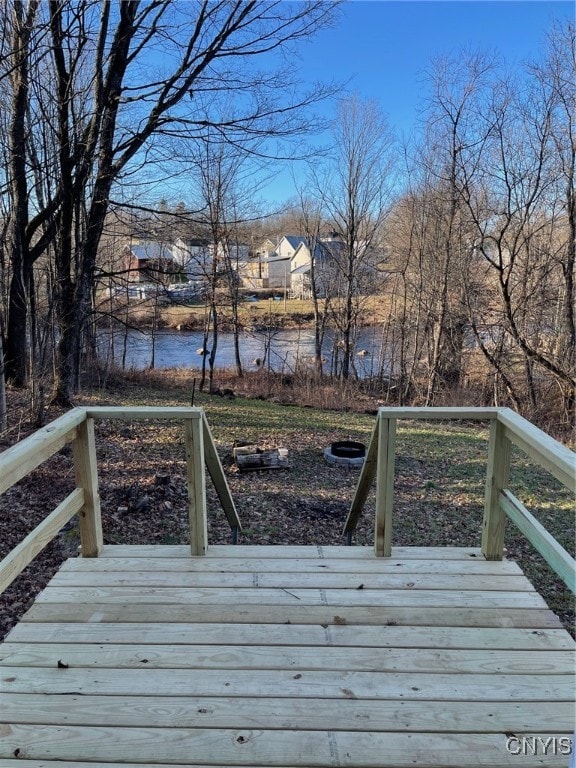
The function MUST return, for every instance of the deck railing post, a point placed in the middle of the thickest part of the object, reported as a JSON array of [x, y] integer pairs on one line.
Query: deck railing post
[[385, 486], [193, 440], [86, 473], [496, 480]]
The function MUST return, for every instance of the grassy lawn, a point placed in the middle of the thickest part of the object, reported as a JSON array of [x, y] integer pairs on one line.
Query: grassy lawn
[[439, 484]]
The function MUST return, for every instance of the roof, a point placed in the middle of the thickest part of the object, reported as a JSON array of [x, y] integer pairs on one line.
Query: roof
[[295, 240], [276, 257], [324, 250], [151, 250]]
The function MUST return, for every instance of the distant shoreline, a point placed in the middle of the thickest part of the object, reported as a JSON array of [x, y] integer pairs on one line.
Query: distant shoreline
[[258, 316]]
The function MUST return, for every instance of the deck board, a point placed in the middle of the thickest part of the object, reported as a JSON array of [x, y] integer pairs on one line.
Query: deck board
[[290, 657], [388, 636], [292, 714]]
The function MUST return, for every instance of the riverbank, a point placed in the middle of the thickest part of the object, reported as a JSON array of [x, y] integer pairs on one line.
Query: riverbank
[[253, 314]]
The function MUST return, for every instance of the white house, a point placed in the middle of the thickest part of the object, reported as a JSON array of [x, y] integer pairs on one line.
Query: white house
[[194, 256], [327, 255], [270, 265], [287, 245], [279, 265]]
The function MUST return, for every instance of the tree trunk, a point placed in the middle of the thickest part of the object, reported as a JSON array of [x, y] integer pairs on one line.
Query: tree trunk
[[17, 341], [3, 407]]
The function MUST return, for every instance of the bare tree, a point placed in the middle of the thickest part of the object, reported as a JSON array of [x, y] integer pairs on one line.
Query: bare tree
[[227, 186], [455, 128], [16, 73], [311, 224], [354, 188], [523, 212], [112, 101]]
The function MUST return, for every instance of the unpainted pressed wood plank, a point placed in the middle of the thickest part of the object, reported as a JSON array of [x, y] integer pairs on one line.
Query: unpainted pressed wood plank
[[544, 449], [534, 618], [365, 480], [334, 635], [232, 657], [86, 473], [256, 596], [384, 486], [293, 551], [291, 580], [143, 413], [241, 747], [22, 555], [307, 684], [543, 541], [290, 714], [427, 413], [497, 474], [214, 467], [21, 459], [196, 485], [212, 564], [22, 763]]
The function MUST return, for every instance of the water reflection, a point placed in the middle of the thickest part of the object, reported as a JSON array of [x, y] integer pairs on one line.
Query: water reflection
[[284, 351]]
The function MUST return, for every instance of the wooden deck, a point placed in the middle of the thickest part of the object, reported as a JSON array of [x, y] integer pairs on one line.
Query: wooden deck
[[287, 656]]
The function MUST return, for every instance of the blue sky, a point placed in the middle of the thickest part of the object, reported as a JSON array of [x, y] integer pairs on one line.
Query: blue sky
[[384, 48]]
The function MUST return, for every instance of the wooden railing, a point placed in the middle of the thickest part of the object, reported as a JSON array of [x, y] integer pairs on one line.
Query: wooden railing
[[77, 427], [506, 428]]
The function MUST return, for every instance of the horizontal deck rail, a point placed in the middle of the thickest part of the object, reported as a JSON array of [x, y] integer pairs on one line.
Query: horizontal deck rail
[[77, 428], [506, 428]]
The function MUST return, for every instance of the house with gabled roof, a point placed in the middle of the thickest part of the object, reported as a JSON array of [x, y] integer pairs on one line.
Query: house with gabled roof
[[193, 256], [269, 266], [326, 255], [147, 261], [288, 244]]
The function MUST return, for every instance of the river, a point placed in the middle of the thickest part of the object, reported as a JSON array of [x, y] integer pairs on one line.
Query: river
[[289, 349]]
